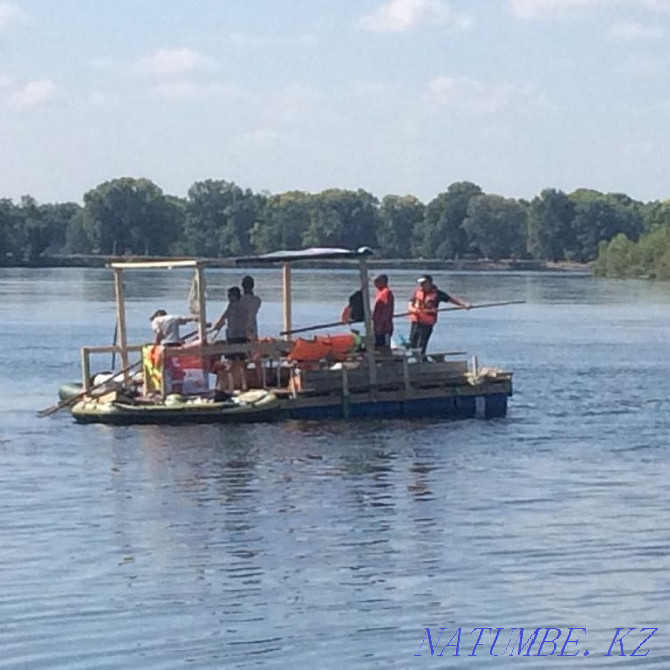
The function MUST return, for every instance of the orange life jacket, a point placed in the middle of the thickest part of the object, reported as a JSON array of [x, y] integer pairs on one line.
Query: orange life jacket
[[331, 347], [426, 303]]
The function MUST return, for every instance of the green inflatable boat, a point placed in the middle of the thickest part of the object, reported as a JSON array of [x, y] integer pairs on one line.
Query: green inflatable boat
[[249, 407]]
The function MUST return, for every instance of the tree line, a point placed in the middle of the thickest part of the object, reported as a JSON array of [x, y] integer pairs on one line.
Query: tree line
[[648, 256], [221, 219]]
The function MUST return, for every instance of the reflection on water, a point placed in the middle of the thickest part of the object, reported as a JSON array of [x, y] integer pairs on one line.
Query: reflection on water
[[331, 545]]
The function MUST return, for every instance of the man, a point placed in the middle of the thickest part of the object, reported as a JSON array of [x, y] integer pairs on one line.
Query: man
[[251, 304], [236, 320], [423, 311], [382, 313], [354, 309], [166, 327]]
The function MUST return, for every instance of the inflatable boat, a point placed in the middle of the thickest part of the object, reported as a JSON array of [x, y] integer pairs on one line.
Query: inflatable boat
[[249, 407]]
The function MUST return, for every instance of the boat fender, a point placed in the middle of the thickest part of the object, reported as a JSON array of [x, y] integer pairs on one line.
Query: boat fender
[[101, 377]]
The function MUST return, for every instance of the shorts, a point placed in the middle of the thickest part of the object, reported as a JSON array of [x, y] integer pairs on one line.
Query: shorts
[[237, 340]]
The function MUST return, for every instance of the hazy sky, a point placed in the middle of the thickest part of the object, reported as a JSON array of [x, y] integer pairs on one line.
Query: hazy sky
[[394, 96]]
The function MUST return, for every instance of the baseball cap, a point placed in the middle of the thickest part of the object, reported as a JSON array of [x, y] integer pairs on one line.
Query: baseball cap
[[424, 278], [158, 312]]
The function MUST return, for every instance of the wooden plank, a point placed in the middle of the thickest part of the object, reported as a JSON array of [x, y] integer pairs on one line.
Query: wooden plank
[[108, 349], [399, 374]]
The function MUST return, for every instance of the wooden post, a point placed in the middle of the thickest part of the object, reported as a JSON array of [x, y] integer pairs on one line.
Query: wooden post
[[369, 331], [286, 295], [405, 376], [85, 369], [202, 306], [121, 321], [345, 393]]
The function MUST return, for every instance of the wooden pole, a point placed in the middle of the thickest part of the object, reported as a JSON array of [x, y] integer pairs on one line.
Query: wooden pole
[[85, 369], [333, 324], [121, 320], [202, 318], [286, 295], [202, 305], [369, 331]]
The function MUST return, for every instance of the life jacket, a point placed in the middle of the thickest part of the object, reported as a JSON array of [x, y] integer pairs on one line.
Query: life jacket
[[425, 300], [330, 347], [152, 360]]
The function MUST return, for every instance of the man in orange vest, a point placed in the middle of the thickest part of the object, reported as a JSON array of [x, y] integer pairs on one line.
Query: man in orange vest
[[423, 311], [382, 313]]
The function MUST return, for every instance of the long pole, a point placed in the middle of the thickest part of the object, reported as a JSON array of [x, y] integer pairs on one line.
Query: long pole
[[333, 324], [116, 335]]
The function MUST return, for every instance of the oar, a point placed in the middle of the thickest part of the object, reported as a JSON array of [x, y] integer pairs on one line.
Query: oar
[[458, 309], [332, 324], [71, 401], [116, 334]]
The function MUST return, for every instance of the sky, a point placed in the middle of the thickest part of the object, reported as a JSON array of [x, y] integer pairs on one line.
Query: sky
[[392, 96]]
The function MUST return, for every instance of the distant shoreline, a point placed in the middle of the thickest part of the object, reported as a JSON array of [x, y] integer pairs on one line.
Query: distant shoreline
[[508, 265]]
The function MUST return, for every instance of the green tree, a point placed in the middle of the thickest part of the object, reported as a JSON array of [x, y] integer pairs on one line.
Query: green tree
[[550, 231], [599, 217], [284, 222], [12, 233], [399, 218], [220, 217], [130, 215], [496, 226], [441, 233], [55, 219], [343, 219]]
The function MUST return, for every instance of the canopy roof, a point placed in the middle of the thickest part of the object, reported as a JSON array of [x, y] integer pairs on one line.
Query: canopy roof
[[314, 253], [166, 264]]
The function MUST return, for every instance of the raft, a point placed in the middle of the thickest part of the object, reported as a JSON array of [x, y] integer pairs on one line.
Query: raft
[[250, 407], [69, 390]]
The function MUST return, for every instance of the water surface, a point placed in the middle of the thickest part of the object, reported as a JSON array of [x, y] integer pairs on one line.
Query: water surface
[[334, 545]]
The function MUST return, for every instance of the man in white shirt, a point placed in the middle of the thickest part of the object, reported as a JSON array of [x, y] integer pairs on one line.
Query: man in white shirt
[[166, 327]]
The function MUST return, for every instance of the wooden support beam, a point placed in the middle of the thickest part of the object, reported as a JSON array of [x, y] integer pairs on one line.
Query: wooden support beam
[[85, 369], [121, 320], [369, 331], [202, 307], [286, 299]]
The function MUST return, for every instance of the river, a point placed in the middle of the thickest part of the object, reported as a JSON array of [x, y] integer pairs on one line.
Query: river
[[307, 545]]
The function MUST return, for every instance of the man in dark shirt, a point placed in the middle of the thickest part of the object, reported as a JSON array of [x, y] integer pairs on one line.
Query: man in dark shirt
[[354, 309], [423, 311]]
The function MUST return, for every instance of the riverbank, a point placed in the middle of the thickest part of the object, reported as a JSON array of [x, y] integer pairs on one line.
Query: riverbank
[[462, 265]]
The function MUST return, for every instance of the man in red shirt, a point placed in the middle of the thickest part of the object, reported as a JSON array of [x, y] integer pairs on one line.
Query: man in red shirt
[[382, 313]]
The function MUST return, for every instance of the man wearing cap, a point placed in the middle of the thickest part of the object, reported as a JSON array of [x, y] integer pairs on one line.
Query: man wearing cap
[[423, 311], [166, 327]]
